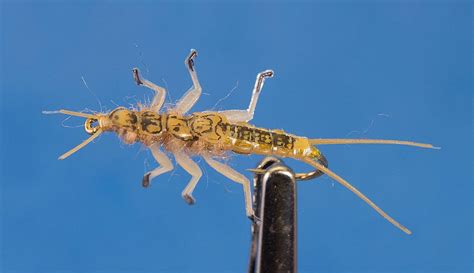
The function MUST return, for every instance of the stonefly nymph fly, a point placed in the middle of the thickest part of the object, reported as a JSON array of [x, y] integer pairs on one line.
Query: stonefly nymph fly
[[211, 135]]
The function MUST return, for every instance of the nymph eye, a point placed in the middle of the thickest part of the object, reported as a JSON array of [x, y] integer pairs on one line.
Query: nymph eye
[[91, 126]]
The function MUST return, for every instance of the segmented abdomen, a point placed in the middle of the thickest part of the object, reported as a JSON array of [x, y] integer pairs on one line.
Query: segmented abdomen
[[246, 139], [220, 134]]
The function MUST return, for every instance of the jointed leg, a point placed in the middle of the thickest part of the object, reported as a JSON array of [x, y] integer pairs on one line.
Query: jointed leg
[[357, 192], [247, 115], [193, 94], [193, 169], [160, 95], [163, 161], [236, 177]]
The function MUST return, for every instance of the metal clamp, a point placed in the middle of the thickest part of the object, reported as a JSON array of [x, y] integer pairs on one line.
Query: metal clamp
[[273, 247]]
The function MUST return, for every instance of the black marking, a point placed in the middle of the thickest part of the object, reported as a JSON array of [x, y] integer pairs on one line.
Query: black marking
[[146, 180], [263, 136], [136, 76], [234, 131], [283, 141], [246, 134], [261, 77], [189, 199], [191, 60], [179, 129], [259, 136], [150, 118], [198, 129], [250, 134], [201, 125], [133, 117]]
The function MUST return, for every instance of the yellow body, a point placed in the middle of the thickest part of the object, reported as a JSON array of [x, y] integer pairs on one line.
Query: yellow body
[[213, 134], [209, 131]]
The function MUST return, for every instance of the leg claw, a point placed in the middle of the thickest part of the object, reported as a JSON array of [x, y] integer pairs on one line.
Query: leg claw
[[190, 59], [146, 180], [189, 199], [266, 74], [136, 76]]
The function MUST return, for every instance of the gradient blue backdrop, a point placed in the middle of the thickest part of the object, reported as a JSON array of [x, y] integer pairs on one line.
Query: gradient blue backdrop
[[399, 70]]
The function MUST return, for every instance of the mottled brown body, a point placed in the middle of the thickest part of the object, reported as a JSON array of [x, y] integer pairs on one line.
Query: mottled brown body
[[205, 133]]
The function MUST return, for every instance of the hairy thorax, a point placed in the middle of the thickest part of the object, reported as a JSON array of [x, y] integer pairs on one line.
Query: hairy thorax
[[196, 134]]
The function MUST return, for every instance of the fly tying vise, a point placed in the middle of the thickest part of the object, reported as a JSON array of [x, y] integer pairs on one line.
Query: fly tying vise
[[212, 134]]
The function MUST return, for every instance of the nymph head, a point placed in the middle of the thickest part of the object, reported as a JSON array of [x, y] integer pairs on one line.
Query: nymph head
[[95, 124]]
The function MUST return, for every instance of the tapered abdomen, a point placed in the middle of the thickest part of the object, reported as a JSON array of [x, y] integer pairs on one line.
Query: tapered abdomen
[[246, 139]]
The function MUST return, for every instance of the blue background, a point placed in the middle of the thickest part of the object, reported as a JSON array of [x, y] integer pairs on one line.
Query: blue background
[[400, 70]]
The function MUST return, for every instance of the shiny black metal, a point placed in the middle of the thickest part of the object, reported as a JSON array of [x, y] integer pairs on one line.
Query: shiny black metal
[[273, 246]]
